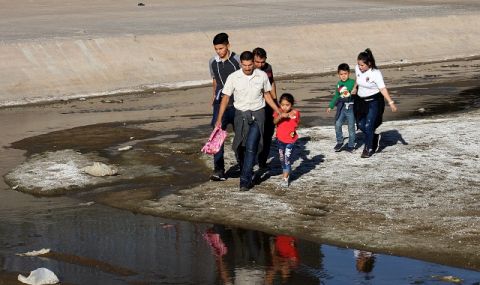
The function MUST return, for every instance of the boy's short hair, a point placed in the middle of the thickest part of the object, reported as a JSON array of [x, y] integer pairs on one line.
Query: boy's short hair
[[260, 52], [220, 39], [343, 67], [246, 55]]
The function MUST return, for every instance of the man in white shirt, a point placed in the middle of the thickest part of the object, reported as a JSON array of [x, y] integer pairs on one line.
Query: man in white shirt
[[251, 89]]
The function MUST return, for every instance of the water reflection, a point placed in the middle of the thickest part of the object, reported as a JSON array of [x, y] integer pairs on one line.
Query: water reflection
[[251, 257], [364, 261], [100, 245]]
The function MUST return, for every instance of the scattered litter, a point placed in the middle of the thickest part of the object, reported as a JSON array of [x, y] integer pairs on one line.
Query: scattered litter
[[141, 4], [166, 226], [15, 187], [35, 252], [39, 276], [449, 278], [112, 101], [87, 203], [100, 169], [132, 138], [125, 148], [82, 99], [421, 110]]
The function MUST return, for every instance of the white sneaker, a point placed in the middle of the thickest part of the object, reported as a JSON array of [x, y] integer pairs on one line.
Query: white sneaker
[[284, 182]]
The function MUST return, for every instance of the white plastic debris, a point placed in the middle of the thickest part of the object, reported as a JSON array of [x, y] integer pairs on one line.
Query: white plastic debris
[[125, 148], [35, 252], [87, 203], [100, 169], [39, 276]]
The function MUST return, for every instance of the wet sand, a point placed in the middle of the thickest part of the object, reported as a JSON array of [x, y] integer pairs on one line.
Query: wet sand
[[313, 208]]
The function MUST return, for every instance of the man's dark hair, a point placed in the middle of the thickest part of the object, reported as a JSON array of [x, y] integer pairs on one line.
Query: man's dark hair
[[260, 52], [343, 67], [246, 55], [220, 39]]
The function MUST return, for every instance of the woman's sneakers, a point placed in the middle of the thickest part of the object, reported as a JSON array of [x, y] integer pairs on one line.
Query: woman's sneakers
[[284, 182]]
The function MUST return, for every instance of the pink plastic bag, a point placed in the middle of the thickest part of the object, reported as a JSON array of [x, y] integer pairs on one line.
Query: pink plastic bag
[[214, 143]]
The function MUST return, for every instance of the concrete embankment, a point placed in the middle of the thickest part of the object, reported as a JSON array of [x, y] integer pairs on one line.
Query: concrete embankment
[[39, 69]]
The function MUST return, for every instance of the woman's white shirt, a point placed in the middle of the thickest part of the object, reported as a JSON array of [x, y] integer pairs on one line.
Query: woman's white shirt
[[369, 82]]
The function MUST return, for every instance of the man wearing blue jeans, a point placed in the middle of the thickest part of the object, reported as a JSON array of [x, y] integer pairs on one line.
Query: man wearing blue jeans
[[251, 90], [221, 66]]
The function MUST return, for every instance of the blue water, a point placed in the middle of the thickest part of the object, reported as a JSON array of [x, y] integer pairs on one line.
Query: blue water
[[161, 251]]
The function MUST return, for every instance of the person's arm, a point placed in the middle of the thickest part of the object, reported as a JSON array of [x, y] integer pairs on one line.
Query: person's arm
[[381, 86], [223, 107], [278, 116], [273, 92], [268, 99], [389, 100], [354, 89], [214, 84], [332, 103]]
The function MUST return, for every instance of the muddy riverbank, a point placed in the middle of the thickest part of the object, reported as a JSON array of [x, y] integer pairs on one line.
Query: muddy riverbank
[[417, 197]]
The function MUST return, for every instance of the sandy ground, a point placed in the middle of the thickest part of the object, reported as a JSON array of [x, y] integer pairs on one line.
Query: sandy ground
[[417, 197]]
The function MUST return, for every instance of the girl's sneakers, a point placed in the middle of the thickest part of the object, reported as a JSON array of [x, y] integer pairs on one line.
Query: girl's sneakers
[[284, 182]]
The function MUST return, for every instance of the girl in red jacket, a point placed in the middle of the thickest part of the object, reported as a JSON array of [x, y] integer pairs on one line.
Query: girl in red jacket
[[287, 122]]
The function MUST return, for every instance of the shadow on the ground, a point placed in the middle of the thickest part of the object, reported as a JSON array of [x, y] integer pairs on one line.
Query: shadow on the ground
[[307, 163], [387, 139], [390, 138], [300, 151]]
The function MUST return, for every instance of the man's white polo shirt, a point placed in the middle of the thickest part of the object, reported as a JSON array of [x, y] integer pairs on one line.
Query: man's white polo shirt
[[247, 89]]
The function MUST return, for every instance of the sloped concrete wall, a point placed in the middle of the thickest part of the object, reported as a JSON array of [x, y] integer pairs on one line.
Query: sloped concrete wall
[[51, 69]]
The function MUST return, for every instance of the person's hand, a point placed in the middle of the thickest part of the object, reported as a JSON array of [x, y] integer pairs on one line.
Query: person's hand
[[292, 115], [392, 106], [329, 110], [218, 123], [354, 92]]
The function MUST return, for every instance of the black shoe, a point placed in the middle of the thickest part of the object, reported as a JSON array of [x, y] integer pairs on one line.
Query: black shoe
[[262, 170], [244, 189], [376, 138], [349, 149], [366, 153], [338, 147], [218, 176]]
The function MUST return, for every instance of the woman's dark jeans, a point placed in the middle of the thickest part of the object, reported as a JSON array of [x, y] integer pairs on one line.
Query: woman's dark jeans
[[367, 123]]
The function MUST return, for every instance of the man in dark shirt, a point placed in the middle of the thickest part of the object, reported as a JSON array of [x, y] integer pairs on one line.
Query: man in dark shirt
[[260, 62], [221, 66]]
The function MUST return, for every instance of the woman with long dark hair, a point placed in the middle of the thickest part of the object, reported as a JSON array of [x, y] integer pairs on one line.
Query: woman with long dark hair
[[370, 102]]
